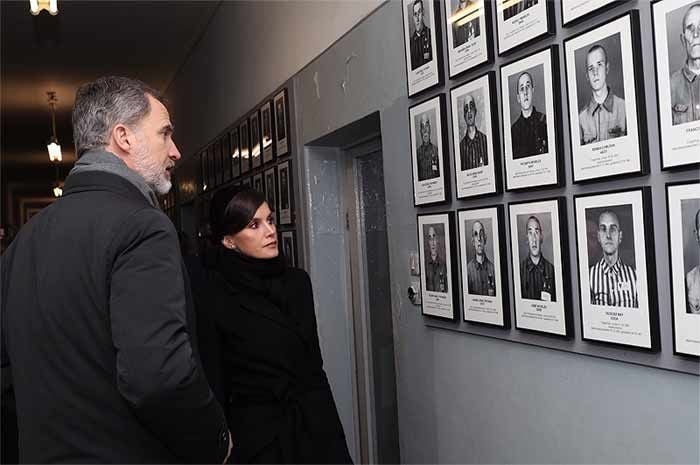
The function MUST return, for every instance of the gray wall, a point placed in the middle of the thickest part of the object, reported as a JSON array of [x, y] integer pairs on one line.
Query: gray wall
[[466, 398]]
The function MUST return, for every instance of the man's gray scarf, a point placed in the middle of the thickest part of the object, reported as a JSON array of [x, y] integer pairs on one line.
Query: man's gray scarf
[[102, 160]]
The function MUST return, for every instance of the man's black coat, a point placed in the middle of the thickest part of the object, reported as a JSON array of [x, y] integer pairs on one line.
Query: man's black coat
[[97, 321]]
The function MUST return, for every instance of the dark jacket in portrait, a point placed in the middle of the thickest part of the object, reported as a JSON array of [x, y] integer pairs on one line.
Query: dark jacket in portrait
[[428, 162], [535, 279], [435, 274], [685, 96], [481, 277], [473, 153], [421, 48], [260, 349], [97, 323], [529, 135]]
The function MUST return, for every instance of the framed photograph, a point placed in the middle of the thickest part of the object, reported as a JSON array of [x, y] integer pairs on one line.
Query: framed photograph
[[469, 42], [211, 164], [684, 244], [204, 170], [607, 126], [617, 285], [484, 273], [258, 184], [247, 183], [288, 248], [268, 153], [475, 137], [677, 53], [218, 162], [436, 250], [285, 191], [428, 146], [422, 42], [225, 142], [539, 242], [575, 11], [531, 123], [519, 22], [235, 151], [281, 123], [245, 146], [271, 191], [255, 145]]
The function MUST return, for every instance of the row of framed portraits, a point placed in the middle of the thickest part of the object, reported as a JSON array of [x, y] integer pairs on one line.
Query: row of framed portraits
[[276, 183], [257, 140], [605, 105], [616, 267], [468, 24]]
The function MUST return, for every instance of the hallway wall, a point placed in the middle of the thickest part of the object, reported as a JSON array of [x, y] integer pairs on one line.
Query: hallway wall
[[462, 398]]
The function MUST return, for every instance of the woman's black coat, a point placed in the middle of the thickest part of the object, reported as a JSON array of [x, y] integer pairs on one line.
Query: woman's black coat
[[264, 363]]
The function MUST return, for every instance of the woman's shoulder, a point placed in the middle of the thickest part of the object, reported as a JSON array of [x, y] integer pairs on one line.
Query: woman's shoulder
[[297, 277]]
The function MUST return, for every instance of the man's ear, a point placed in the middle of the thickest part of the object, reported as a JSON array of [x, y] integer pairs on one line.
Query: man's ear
[[123, 137]]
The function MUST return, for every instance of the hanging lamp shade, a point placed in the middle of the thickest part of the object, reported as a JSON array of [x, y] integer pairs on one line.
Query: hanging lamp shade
[[35, 6]]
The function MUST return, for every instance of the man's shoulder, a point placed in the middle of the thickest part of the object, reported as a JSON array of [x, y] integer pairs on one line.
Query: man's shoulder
[[693, 276], [677, 77]]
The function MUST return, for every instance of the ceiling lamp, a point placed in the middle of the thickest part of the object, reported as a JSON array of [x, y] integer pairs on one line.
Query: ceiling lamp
[[53, 146], [57, 191], [35, 6]]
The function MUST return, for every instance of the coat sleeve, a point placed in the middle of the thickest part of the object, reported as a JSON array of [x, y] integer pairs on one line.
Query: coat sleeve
[[157, 370]]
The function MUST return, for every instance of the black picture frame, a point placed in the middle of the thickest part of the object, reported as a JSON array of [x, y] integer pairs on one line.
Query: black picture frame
[[258, 183], [255, 139], [555, 166], [289, 252], [285, 190], [472, 53], [267, 130], [602, 6], [469, 184], [532, 313], [486, 311], [523, 40], [685, 327], [218, 162], [450, 296], [419, 77], [679, 147], [225, 142], [433, 190], [618, 314], [235, 153], [244, 131], [605, 156], [211, 163], [270, 180], [282, 131]]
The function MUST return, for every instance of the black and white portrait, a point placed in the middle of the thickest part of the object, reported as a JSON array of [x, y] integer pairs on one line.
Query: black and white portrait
[[573, 11], [235, 149], [677, 52], [684, 237], [285, 193], [537, 241], [289, 248], [266, 115], [613, 241], [271, 189], [255, 146], [422, 54], [468, 39], [427, 147], [529, 120], [603, 109], [522, 21], [258, 184], [280, 105], [436, 250], [473, 137], [480, 253], [245, 146]]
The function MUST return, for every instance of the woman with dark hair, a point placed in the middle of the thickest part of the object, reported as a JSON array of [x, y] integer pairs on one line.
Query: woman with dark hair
[[259, 343]]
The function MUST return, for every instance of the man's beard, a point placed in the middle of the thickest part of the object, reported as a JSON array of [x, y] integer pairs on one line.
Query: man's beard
[[151, 171]]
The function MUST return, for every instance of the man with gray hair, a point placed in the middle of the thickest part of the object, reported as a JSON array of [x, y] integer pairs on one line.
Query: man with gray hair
[[427, 153], [97, 315]]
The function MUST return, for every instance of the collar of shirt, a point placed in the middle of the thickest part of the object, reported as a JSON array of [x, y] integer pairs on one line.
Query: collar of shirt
[[531, 264], [593, 106], [689, 75], [614, 269], [478, 265]]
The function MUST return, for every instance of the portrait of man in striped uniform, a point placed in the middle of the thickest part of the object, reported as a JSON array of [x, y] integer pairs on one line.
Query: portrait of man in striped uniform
[[472, 148], [613, 282], [692, 279]]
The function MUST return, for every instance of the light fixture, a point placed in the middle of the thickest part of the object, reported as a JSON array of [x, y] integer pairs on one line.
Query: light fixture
[[35, 6], [57, 191], [53, 146]]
